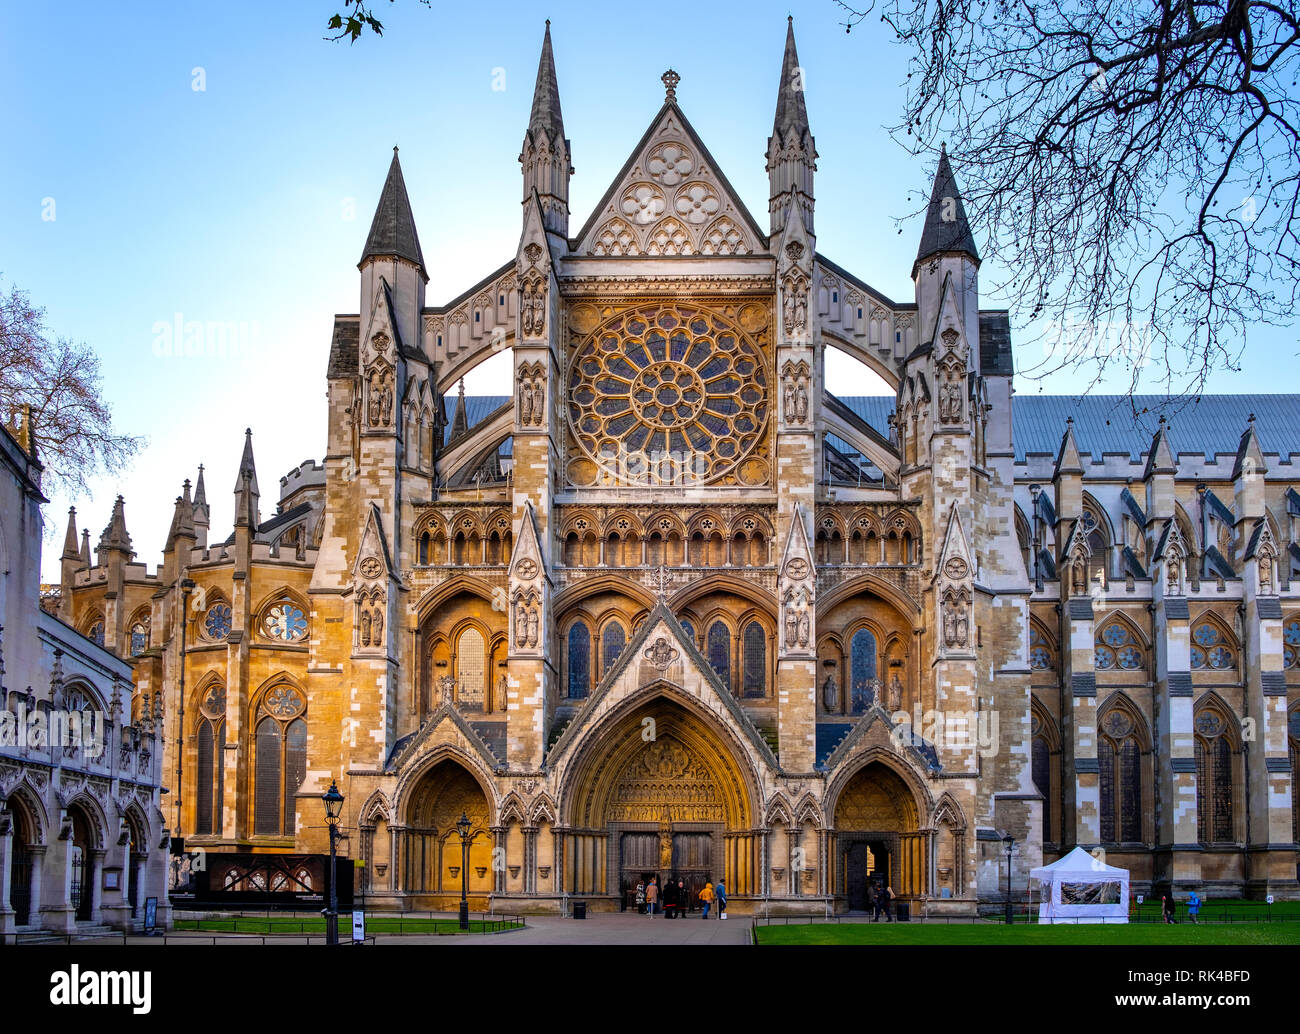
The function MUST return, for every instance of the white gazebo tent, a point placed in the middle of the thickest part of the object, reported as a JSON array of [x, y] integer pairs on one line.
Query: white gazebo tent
[[1082, 889]]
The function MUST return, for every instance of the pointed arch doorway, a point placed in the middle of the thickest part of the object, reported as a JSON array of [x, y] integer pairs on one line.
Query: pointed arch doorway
[[878, 837], [658, 793]]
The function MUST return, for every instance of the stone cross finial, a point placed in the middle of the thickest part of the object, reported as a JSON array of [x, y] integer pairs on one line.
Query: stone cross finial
[[670, 81]]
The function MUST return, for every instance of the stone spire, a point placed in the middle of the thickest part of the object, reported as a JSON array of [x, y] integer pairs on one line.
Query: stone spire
[[545, 116], [246, 492], [460, 419], [946, 229], [85, 546], [791, 113], [182, 517], [70, 550], [791, 151], [545, 155], [115, 536], [392, 231], [200, 498]]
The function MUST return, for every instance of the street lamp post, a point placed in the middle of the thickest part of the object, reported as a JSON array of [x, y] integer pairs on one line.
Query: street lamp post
[[463, 826], [333, 809], [1010, 841]]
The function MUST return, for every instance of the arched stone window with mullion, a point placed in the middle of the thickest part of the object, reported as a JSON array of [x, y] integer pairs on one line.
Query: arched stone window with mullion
[[578, 659], [1119, 758], [209, 790], [718, 649], [754, 661], [1215, 764], [1213, 648], [864, 683], [279, 759], [613, 638]]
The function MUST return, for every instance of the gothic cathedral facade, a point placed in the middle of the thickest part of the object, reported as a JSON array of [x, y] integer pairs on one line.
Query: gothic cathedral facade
[[679, 606]]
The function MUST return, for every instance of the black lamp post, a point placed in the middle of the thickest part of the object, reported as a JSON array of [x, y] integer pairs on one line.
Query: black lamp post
[[463, 826], [1010, 841], [333, 809]]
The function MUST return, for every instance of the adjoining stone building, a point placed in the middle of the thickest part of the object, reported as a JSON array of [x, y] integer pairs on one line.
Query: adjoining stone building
[[676, 606], [82, 840]]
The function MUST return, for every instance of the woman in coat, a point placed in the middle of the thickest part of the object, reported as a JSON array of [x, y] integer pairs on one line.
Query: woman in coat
[[651, 897]]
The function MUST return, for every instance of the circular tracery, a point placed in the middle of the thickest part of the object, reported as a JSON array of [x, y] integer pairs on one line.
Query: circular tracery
[[666, 394]]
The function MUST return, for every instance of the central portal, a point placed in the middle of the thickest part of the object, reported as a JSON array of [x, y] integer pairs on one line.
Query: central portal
[[660, 794]]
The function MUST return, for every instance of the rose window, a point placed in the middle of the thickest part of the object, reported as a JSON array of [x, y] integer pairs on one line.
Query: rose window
[[667, 395], [285, 621]]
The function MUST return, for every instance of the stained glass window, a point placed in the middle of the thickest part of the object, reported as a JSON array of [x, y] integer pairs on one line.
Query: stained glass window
[[689, 629], [1291, 644], [210, 776], [470, 667], [579, 661], [139, 639], [216, 623], [755, 680], [285, 621], [1214, 811], [612, 641], [862, 670], [1040, 653], [96, 633], [719, 651], [295, 769], [1210, 651], [266, 798], [1116, 648], [1042, 775]]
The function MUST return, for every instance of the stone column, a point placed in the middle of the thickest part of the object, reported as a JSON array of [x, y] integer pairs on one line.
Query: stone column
[[1080, 768], [7, 924], [1177, 848]]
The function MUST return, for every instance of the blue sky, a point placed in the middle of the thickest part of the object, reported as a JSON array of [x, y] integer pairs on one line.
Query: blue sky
[[246, 202]]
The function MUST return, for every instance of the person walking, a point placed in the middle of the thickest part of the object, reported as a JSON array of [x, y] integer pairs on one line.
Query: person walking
[[640, 896], [720, 895], [1193, 906], [889, 900], [706, 896], [651, 896], [683, 899], [670, 898]]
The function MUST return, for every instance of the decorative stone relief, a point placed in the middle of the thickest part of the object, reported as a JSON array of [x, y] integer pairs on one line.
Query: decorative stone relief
[[795, 378]]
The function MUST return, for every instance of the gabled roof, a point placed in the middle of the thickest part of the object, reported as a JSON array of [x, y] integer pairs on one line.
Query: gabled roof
[[392, 231], [344, 345], [602, 211]]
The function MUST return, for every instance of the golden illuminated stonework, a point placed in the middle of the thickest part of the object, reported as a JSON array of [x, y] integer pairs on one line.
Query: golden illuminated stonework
[[666, 394]]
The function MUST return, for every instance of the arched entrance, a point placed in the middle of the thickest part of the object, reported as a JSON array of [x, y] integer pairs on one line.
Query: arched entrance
[[82, 863], [20, 866], [431, 844], [878, 841], [659, 793]]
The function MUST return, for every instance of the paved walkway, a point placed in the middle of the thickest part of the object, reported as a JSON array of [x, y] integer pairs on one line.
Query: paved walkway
[[613, 928]]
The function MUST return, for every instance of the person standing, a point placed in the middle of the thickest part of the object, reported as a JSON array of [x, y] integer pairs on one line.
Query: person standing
[[640, 896], [720, 895], [651, 896], [1193, 906], [706, 896], [683, 901], [889, 900], [670, 898]]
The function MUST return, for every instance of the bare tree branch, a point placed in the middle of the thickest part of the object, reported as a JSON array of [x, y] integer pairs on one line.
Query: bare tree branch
[[60, 381], [1134, 168]]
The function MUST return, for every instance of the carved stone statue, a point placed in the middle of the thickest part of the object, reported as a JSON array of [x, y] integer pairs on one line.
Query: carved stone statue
[[532, 626], [502, 702], [665, 842], [801, 402], [831, 694], [895, 693], [377, 624], [521, 623], [791, 625], [804, 626], [950, 404], [365, 626]]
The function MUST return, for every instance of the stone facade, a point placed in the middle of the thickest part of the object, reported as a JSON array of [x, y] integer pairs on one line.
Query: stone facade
[[83, 842], [677, 607]]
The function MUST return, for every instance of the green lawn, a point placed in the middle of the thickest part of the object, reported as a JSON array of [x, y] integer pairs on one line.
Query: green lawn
[[316, 925], [986, 933]]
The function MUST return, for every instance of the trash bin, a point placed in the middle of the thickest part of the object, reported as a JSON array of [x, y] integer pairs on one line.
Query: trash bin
[[904, 911], [579, 910]]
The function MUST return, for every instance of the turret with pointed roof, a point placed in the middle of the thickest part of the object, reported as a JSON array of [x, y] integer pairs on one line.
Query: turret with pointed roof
[[201, 513], [545, 155], [946, 231], [791, 151], [70, 551], [392, 230]]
